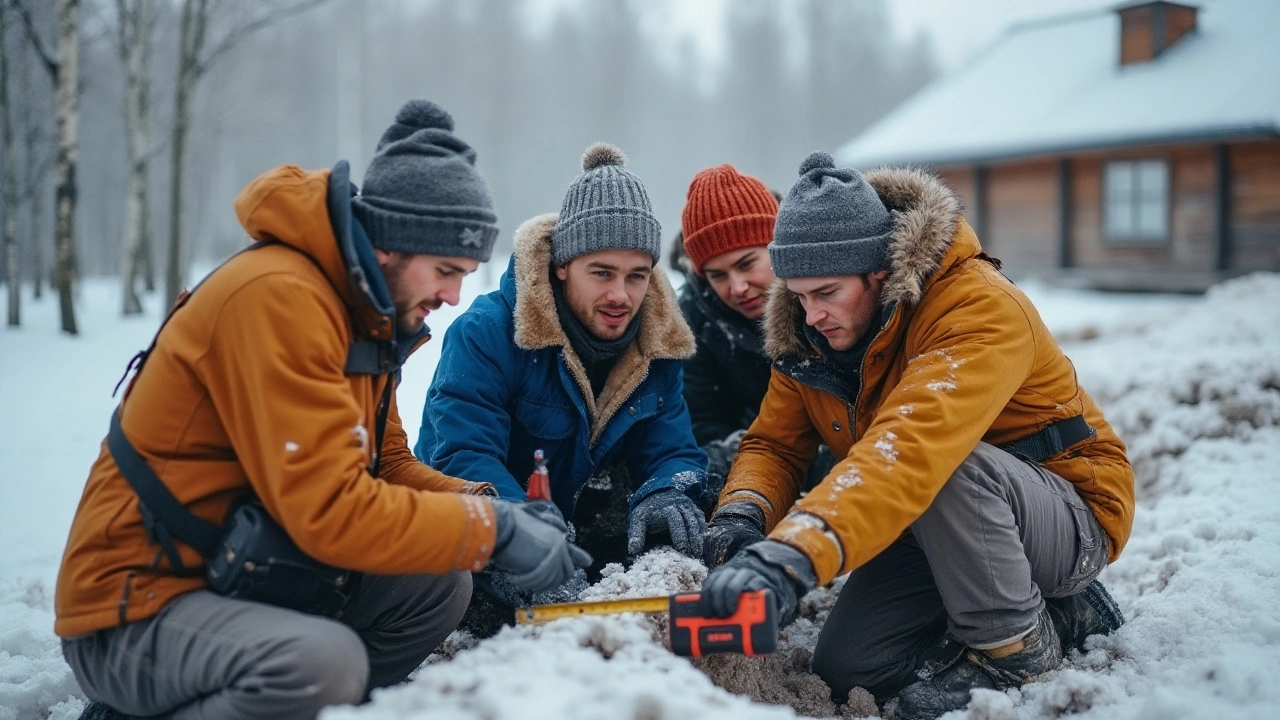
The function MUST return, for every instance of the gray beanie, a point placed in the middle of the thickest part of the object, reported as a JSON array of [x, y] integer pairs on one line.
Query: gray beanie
[[831, 223], [606, 208], [422, 193]]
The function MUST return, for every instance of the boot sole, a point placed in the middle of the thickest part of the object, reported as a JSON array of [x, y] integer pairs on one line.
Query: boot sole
[[1108, 611]]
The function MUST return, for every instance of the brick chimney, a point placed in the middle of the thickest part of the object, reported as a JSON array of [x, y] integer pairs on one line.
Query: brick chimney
[[1149, 28]]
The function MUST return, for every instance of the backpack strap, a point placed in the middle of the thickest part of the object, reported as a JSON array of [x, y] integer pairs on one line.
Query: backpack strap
[[163, 515]]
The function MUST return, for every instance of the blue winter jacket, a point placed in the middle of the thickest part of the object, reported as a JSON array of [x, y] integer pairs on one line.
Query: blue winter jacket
[[509, 383]]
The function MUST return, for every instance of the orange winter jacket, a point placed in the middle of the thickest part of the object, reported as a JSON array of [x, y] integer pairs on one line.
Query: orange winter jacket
[[245, 390], [962, 358]]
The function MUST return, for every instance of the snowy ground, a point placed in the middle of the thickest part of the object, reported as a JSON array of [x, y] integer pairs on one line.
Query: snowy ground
[[1193, 385]]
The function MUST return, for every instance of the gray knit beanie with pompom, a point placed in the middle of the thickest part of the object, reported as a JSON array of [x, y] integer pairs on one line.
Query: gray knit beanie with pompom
[[832, 223], [422, 193], [606, 208]]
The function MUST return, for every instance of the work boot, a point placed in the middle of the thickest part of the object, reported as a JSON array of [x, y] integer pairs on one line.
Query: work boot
[[101, 711], [1089, 612], [949, 688]]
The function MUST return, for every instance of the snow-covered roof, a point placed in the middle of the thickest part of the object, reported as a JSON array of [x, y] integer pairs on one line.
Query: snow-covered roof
[[1057, 85]]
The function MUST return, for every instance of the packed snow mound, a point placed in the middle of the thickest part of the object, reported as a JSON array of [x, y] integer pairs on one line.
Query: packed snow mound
[[35, 681], [1209, 370]]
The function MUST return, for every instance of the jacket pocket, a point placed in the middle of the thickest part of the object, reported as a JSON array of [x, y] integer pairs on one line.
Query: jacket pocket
[[545, 420]]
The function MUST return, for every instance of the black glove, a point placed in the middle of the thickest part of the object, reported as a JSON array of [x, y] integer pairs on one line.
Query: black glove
[[671, 510], [532, 546], [733, 527], [767, 565]]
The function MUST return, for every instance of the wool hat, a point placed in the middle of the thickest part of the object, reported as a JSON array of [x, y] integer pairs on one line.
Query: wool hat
[[422, 193], [726, 210], [830, 223], [606, 208]]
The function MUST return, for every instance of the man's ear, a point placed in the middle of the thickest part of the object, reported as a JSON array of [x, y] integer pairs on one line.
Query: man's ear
[[562, 272], [880, 274], [384, 257]]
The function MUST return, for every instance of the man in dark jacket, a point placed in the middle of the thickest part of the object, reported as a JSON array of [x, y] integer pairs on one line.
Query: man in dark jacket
[[727, 221], [576, 354]]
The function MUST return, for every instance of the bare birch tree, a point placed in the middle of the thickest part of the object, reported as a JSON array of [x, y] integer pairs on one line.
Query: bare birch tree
[[9, 179], [133, 41], [64, 68], [196, 55]]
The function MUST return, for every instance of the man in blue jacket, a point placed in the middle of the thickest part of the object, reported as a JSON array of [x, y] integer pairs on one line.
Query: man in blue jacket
[[578, 354]]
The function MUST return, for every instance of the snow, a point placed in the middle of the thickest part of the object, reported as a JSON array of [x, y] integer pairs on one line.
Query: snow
[[1057, 85], [1191, 383]]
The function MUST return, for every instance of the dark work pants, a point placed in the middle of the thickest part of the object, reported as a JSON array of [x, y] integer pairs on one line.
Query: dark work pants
[[209, 657], [1002, 535]]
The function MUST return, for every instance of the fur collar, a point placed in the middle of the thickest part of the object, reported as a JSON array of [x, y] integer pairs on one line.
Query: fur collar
[[925, 217], [663, 334]]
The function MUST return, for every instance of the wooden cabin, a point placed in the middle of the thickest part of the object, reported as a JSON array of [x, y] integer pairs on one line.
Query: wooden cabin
[[1134, 148]]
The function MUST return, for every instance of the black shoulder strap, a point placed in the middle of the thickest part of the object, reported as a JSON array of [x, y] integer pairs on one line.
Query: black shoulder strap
[[157, 503], [164, 516]]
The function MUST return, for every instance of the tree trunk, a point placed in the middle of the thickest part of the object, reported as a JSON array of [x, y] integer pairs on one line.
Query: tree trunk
[[36, 212], [173, 279], [135, 53], [9, 183], [67, 102], [188, 46]]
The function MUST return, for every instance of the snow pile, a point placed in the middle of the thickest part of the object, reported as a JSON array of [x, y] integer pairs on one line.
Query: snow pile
[[35, 681]]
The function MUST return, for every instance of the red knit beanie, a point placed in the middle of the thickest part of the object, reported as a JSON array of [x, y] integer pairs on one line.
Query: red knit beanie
[[725, 211]]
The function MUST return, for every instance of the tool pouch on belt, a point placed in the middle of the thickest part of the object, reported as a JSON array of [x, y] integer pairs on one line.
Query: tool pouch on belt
[[248, 557], [256, 560]]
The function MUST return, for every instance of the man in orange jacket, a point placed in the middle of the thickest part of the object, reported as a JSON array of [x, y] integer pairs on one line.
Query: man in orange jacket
[[257, 386], [979, 492]]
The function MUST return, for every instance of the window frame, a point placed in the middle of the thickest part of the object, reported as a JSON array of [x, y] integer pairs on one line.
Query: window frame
[[1135, 201]]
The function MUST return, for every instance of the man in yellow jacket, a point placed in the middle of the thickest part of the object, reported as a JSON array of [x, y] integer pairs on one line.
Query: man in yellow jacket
[[980, 490], [261, 384]]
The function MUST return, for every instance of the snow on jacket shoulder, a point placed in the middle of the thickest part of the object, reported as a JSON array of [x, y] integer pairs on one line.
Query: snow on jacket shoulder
[[246, 390], [508, 383], [963, 357]]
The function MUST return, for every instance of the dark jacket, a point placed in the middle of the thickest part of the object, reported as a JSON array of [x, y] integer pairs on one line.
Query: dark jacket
[[509, 383], [727, 378]]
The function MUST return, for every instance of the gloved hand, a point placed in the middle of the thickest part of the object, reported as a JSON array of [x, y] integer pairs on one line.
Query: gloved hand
[[532, 546], [673, 511], [767, 565], [733, 527]]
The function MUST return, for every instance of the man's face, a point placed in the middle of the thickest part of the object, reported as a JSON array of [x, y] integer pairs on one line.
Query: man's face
[[741, 279], [604, 289], [422, 283], [840, 307]]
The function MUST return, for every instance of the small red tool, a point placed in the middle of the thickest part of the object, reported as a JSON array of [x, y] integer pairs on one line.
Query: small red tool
[[539, 479], [751, 631]]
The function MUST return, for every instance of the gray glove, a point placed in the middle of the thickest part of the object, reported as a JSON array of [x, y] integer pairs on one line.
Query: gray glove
[[766, 565], [532, 546], [670, 510]]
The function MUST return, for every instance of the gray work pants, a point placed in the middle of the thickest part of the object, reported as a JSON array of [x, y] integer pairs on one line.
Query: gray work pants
[[1002, 535], [206, 656]]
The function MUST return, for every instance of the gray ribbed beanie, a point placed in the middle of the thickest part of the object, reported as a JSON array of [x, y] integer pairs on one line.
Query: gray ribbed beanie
[[422, 193], [831, 223], [606, 208]]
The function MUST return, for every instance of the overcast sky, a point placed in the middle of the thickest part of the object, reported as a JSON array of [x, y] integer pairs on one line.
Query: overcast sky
[[959, 28]]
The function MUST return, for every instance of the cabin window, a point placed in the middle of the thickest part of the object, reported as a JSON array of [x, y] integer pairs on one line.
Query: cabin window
[[1137, 201]]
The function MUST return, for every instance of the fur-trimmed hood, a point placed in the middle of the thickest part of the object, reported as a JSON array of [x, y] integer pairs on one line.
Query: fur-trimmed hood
[[663, 333], [926, 217]]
